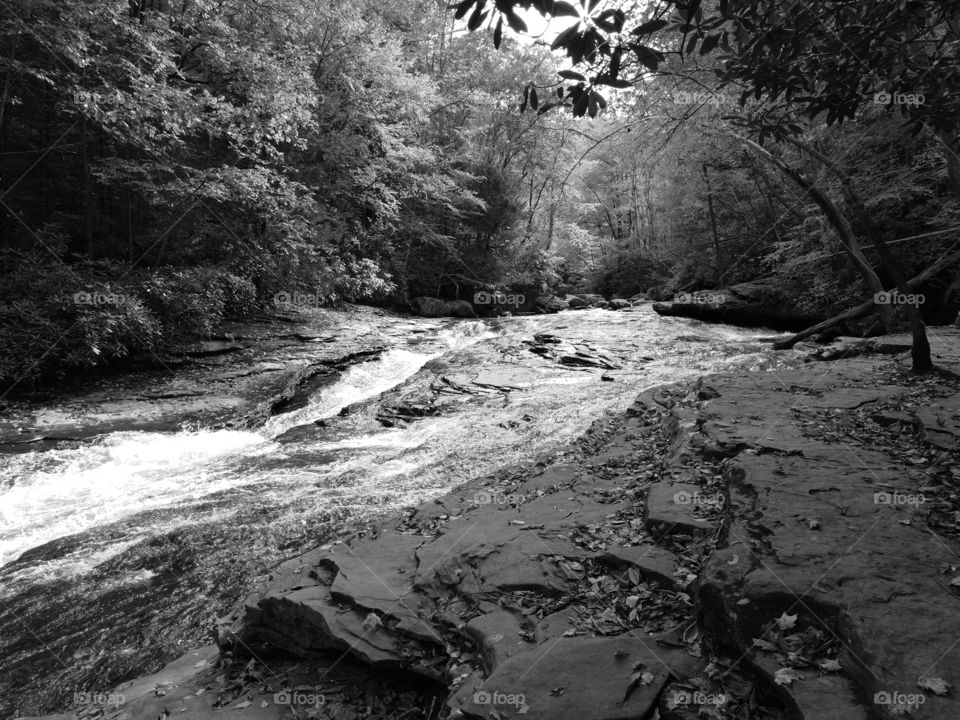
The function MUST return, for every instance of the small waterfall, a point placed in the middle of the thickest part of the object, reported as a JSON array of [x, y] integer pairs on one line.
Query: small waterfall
[[52, 494]]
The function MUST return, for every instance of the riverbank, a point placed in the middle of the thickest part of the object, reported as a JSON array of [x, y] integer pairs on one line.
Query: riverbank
[[236, 380], [752, 539]]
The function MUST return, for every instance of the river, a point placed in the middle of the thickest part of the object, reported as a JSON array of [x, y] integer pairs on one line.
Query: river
[[116, 554]]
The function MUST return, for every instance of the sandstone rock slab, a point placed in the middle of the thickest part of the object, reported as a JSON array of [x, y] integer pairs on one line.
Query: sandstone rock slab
[[571, 679]]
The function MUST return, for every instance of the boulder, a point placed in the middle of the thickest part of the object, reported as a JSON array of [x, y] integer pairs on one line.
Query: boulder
[[617, 304], [575, 302], [594, 300], [458, 308], [753, 304], [551, 304], [430, 307]]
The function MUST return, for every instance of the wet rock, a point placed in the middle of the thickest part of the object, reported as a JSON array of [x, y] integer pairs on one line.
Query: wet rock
[[211, 347], [860, 573], [651, 561], [498, 633], [551, 304], [404, 413], [888, 418], [733, 313], [940, 422], [580, 358], [430, 307], [617, 304], [669, 510], [846, 398], [890, 344], [575, 302], [566, 353], [459, 309], [357, 600], [572, 678]]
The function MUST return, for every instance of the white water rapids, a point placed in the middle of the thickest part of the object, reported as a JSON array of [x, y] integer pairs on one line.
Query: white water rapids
[[51, 494], [146, 483]]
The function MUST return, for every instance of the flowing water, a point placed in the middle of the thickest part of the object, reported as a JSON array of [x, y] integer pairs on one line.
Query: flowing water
[[117, 554]]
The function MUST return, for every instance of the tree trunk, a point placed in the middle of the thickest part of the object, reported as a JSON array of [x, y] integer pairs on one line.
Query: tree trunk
[[921, 346], [839, 222], [86, 191], [713, 222], [866, 307], [949, 140]]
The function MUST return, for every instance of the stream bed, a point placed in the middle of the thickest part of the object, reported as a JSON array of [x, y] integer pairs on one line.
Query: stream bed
[[117, 553]]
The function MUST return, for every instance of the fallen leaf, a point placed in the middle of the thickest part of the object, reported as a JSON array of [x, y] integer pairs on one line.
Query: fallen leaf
[[786, 621], [734, 560], [786, 676], [830, 665], [241, 706]]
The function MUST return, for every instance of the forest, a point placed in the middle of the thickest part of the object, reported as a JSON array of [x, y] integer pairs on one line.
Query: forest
[[165, 165]]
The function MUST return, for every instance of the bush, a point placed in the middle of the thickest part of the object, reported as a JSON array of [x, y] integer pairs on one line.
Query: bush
[[56, 319], [187, 301]]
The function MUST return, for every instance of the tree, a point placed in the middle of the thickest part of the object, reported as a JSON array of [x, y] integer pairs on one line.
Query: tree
[[833, 57]]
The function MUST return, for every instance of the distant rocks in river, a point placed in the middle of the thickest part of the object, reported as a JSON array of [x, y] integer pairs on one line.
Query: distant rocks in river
[[435, 307], [564, 352], [459, 308], [429, 307], [551, 304], [548, 304], [753, 304]]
